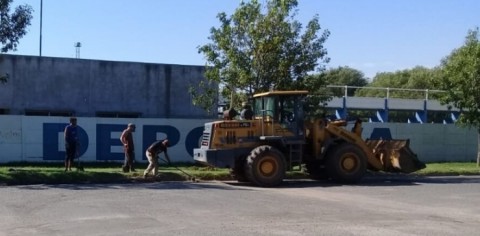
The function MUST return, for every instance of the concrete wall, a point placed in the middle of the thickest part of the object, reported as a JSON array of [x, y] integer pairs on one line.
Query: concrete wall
[[86, 87], [33, 139], [89, 86], [431, 142], [40, 139]]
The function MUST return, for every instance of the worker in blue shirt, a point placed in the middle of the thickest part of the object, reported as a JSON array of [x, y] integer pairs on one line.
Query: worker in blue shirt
[[71, 143]]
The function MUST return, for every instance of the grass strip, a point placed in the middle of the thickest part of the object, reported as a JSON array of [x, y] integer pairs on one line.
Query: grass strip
[[53, 173]]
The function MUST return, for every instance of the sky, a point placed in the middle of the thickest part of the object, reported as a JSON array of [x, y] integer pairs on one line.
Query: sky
[[371, 36]]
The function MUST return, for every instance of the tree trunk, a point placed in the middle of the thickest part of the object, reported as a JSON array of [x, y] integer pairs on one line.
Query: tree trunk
[[232, 98]]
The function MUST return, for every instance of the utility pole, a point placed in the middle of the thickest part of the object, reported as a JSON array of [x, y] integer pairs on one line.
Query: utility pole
[[41, 16], [77, 49]]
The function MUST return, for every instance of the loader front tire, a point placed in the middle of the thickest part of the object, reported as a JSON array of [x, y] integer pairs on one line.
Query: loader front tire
[[265, 166], [346, 163]]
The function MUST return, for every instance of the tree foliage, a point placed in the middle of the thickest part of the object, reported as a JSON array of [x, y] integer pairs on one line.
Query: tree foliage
[[410, 80], [342, 76], [262, 47], [315, 103], [13, 27], [3, 78], [461, 79]]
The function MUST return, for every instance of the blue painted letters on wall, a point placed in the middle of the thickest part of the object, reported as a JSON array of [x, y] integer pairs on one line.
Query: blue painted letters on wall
[[192, 140], [105, 140], [51, 131], [381, 133], [150, 135]]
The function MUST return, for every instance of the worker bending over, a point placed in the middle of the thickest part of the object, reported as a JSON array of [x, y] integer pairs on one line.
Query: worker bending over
[[152, 155]]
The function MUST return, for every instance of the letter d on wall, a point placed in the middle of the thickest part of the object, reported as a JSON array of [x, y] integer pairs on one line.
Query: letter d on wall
[[51, 145]]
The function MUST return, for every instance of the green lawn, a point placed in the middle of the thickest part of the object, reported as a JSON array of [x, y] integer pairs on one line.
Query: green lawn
[[451, 168], [35, 173], [32, 173]]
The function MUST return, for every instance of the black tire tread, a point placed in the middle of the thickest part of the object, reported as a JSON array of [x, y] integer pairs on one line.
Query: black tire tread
[[250, 170], [333, 167]]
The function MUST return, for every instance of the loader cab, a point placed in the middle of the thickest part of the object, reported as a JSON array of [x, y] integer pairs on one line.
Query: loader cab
[[282, 107]]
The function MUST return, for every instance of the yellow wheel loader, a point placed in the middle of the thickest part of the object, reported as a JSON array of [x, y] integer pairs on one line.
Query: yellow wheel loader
[[279, 137]]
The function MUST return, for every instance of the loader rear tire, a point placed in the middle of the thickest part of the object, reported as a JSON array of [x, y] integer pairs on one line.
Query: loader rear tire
[[265, 166], [346, 163]]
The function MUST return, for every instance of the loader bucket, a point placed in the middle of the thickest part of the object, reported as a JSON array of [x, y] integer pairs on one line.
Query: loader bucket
[[396, 155]]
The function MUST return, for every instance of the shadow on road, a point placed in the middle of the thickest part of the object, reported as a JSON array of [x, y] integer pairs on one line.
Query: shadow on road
[[168, 185], [368, 181], [375, 181]]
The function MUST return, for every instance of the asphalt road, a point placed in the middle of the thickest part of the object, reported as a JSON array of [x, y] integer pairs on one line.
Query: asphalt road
[[378, 206]]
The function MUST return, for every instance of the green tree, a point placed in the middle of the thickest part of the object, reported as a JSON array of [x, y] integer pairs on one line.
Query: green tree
[[345, 76], [461, 81], [414, 82], [13, 27], [315, 104], [259, 48]]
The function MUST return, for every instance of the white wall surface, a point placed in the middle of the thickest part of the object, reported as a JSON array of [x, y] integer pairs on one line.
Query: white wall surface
[[33, 139], [432, 142]]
